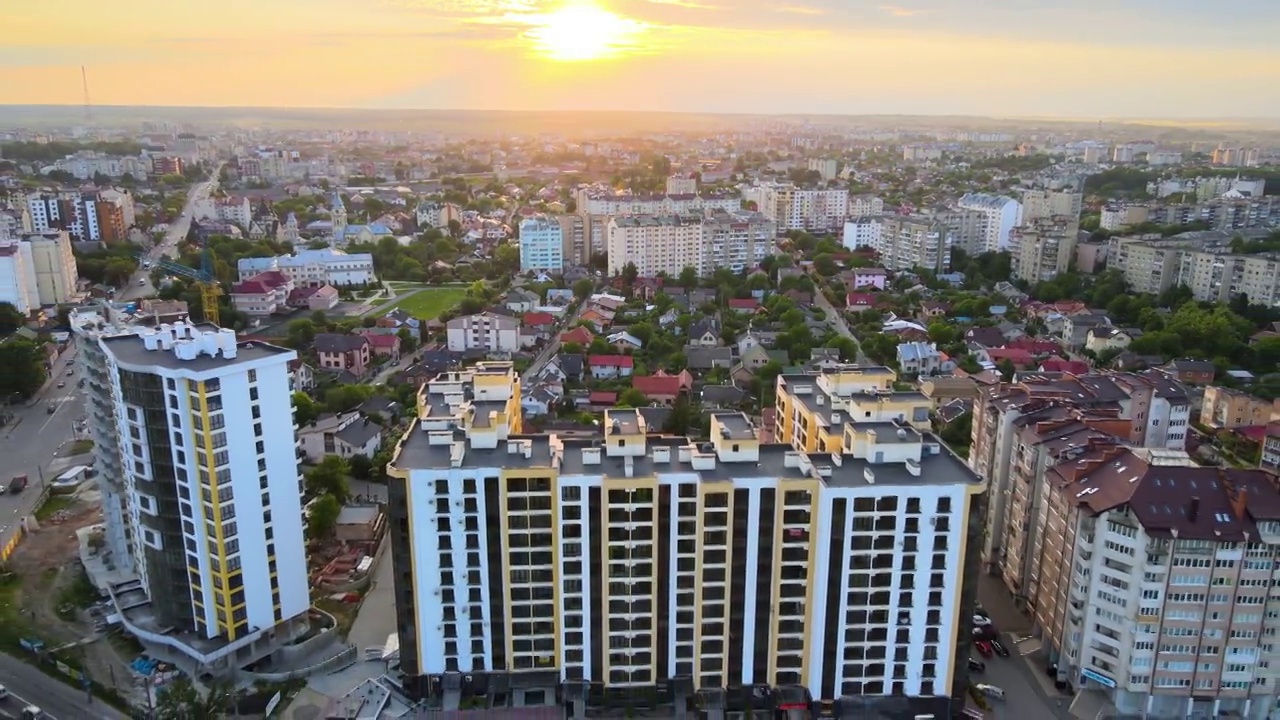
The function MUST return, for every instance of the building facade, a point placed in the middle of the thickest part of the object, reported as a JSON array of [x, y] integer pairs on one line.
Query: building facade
[[1043, 249], [201, 502], [639, 563], [485, 331], [54, 263], [670, 243], [1224, 408], [908, 242], [18, 278], [999, 215], [314, 268], [541, 245], [792, 208]]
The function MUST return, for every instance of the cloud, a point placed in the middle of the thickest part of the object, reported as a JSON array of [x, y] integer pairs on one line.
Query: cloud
[[801, 10], [690, 4], [898, 11]]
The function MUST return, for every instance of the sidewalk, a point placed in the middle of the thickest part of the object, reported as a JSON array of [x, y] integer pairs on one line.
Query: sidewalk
[[1025, 651]]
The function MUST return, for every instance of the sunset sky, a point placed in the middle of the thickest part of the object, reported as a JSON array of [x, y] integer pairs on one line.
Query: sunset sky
[[1079, 58]]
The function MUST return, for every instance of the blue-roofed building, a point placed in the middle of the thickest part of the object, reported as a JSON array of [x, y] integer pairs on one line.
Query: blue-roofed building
[[350, 234]]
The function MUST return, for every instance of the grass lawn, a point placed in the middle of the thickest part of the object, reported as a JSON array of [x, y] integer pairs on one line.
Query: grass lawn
[[51, 506], [428, 304]]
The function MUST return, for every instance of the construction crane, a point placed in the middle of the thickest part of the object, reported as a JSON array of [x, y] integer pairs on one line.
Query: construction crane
[[204, 278]]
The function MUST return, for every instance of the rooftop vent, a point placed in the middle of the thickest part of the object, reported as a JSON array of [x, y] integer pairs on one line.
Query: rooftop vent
[[869, 475]]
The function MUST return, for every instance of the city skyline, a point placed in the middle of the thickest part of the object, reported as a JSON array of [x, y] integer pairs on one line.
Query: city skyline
[[751, 56]]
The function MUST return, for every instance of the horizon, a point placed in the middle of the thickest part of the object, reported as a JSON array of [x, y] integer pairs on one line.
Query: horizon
[[995, 58]]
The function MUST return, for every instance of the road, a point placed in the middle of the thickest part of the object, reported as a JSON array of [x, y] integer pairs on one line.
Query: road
[[29, 442], [1025, 697], [140, 284], [835, 318], [28, 686]]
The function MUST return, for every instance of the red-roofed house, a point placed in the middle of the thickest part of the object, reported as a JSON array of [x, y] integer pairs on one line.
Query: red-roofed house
[[323, 297], [746, 305], [661, 387], [263, 294], [1021, 359], [579, 335], [538, 320], [383, 344], [860, 301], [602, 398], [1035, 347], [610, 366], [1057, 364]]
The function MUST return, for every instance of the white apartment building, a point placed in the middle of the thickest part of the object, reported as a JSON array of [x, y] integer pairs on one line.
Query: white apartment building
[[85, 165], [794, 209], [828, 168], [998, 216], [18, 277], [633, 559], [593, 202], [1157, 582], [1042, 250], [541, 245], [195, 446], [484, 331], [670, 243], [906, 242], [230, 209], [682, 185], [1212, 272], [313, 268], [862, 231]]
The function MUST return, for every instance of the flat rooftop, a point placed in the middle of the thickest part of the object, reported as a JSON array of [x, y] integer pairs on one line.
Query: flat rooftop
[[737, 426], [129, 349], [937, 468]]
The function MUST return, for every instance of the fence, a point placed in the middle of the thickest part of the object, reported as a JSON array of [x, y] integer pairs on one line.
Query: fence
[[20, 531], [344, 658]]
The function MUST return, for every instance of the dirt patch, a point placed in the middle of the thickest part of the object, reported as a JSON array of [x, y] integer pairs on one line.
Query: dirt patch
[[53, 580]]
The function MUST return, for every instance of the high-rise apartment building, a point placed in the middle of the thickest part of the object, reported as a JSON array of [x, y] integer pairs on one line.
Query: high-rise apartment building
[[86, 217], [577, 247], [865, 206], [1143, 409], [641, 564], [999, 215], [50, 259], [1152, 264], [907, 242], [1156, 582], [18, 277], [196, 453], [1042, 249], [670, 243], [541, 245], [827, 168], [682, 185], [792, 208], [1047, 204]]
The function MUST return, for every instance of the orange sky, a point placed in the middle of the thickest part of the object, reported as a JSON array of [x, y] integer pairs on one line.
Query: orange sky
[[994, 57]]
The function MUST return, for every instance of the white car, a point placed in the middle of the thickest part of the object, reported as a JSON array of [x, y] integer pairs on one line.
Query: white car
[[981, 620], [990, 691]]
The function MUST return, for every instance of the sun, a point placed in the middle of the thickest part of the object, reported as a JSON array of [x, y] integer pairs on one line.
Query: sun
[[582, 31]]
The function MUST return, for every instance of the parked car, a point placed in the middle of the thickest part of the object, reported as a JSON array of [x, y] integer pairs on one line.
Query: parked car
[[983, 647], [990, 691], [999, 647], [976, 666], [62, 383], [981, 620], [984, 632], [71, 371]]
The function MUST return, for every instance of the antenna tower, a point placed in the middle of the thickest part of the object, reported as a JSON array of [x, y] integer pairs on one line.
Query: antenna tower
[[88, 108]]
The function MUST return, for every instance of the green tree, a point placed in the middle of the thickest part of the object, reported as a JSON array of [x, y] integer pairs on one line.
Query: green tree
[[180, 700], [361, 467], [301, 333], [408, 342], [329, 477], [689, 277], [24, 369], [10, 318], [583, 288], [632, 398], [345, 397], [322, 516], [305, 409]]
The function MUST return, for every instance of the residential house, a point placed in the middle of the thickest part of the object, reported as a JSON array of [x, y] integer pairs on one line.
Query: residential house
[[702, 359], [429, 366], [385, 345], [579, 335], [301, 377], [1061, 365], [541, 321], [987, 337], [941, 390], [486, 331], [1192, 372], [931, 310], [752, 338], [663, 388], [399, 318], [1021, 359], [704, 333], [601, 399], [868, 277], [266, 293], [600, 318], [604, 367], [383, 407], [1075, 328], [623, 341], [701, 296], [1102, 338], [919, 358], [857, 302], [572, 365], [540, 398], [722, 396], [343, 435], [1228, 408], [351, 353], [520, 300], [324, 297]]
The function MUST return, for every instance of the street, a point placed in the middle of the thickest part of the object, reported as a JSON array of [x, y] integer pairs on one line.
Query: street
[[29, 686], [140, 284], [1025, 697], [29, 442], [836, 320]]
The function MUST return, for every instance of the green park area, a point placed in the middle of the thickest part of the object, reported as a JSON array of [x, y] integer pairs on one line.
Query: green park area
[[429, 304]]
